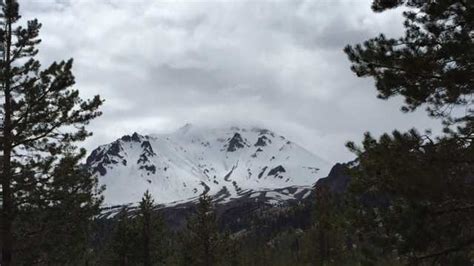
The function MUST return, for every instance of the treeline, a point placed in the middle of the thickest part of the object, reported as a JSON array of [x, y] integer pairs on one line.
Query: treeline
[[140, 237], [342, 231]]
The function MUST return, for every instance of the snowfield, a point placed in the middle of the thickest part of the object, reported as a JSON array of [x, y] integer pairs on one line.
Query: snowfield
[[227, 162]]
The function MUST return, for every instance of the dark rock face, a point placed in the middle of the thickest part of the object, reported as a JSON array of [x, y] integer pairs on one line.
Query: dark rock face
[[338, 180], [262, 172], [92, 157], [115, 149], [136, 137], [113, 154], [227, 176], [147, 152], [276, 171], [206, 187], [236, 142], [262, 141], [142, 159], [106, 157], [106, 154], [149, 168], [96, 156], [147, 149], [100, 168], [263, 131]]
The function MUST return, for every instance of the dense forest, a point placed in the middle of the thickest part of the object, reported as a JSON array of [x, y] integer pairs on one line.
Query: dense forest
[[407, 198]]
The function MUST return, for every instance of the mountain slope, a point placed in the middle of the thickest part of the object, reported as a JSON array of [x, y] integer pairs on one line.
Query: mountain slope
[[228, 162]]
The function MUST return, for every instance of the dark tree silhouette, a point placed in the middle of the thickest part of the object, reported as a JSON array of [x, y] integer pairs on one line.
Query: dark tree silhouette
[[42, 118]]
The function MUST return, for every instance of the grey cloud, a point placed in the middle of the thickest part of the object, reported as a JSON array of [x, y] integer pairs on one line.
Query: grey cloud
[[278, 64]]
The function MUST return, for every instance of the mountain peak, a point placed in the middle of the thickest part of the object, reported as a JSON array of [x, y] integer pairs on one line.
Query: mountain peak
[[135, 137], [236, 142], [181, 165]]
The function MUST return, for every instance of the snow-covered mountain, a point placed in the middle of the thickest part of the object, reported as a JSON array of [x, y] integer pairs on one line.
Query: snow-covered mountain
[[228, 162]]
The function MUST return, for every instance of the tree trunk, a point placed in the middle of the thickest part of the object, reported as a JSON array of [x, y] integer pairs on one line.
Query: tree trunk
[[7, 196]]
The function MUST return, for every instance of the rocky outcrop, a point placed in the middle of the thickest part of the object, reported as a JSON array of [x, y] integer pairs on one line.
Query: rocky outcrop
[[262, 141], [236, 142], [337, 180]]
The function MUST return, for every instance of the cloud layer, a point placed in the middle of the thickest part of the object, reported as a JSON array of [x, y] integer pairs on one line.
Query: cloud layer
[[278, 64]]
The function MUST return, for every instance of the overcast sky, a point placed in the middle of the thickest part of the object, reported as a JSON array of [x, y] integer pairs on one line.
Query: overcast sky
[[277, 64]]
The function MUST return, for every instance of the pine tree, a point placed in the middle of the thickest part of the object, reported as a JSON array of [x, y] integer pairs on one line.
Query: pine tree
[[42, 116], [229, 250], [325, 240], [125, 240], [416, 191], [56, 229], [202, 235], [146, 209], [152, 232], [432, 65]]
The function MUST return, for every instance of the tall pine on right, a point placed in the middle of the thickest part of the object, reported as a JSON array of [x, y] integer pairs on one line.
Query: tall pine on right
[[418, 189]]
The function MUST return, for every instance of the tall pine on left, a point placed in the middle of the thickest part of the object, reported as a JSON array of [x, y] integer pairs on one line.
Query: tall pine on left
[[42, 119]]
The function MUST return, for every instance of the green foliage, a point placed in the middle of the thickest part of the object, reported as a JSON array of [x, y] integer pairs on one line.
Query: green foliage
[[412, 195], [43, 118], [55, 227], [201, 240], [125, 241], [417, 192], [138, 237], [325, 240], [431, 65], [152, 232]]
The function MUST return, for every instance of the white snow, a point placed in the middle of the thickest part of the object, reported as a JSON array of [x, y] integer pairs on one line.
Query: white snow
[[193, 158]]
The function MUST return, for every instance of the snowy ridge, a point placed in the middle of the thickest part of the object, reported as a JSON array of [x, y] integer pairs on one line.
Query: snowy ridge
[[227, 162]]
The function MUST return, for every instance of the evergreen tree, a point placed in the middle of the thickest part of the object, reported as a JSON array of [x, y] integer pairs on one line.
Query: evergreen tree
[[152, 232], [416, 191], [55, 230], [202, 235], [146, 209], [326, 240], [42, 116], [125, 241], [417, 194], [432, 65], [229, 250]]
